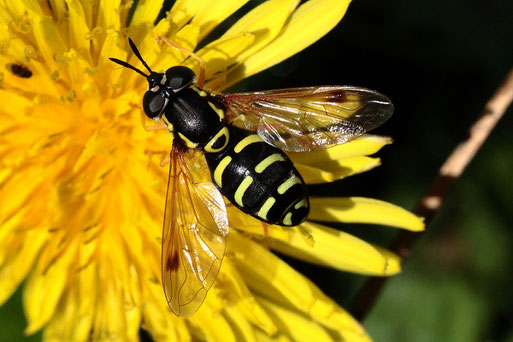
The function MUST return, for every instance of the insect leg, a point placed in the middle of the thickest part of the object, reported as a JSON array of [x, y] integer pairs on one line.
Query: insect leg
[[164, 161], [266, 229], [156, 127], [201, 78]]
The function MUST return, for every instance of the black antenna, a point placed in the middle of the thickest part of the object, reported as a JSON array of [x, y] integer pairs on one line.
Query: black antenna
[[134, 49], [126, 65]]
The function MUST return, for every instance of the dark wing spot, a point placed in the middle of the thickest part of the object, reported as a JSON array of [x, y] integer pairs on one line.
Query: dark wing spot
[[172, 262], [19, 70], [337, 96]]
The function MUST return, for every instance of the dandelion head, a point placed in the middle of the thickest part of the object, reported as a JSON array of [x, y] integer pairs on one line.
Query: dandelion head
[[82, 192]]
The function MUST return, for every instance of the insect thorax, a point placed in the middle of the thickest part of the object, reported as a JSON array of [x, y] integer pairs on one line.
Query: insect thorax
[[197, 121]]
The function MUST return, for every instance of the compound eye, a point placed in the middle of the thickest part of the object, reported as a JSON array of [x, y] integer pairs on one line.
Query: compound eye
[[180, 77], [153, 104]]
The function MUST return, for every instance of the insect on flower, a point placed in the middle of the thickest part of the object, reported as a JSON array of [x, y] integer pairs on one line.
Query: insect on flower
[[19, 70], [238, 142]]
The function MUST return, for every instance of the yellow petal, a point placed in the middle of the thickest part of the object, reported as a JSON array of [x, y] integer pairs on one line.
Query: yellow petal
[[108, 17], [187, 37], [363, 210], [212, 14], [45, 286], [48, 39], [117, 310], [249, 224], [90, 8], [243, 330], [17, 258], [28, 215], [296, 326], [318, 16], [264, 22], [81, 82], [336, 249], [157, 318], [268, 274], [224, 52], [141, 25], [215, 327], [330, 247], [59, 9], [271, 277], [109, 76], [183, 10], [18, 8], [262, 337], [20, 104], [362, 146], [78, 29], [146, 12], [74, 317], [335, 170], [15, 48], [231, 285]]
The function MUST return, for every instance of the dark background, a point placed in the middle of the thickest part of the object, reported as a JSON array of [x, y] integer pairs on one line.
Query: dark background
[[439, 62]]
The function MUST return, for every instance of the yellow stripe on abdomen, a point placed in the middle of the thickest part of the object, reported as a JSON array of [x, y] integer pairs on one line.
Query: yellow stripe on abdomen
[[288, 184], [241, 189], [268, 161], [218, 172], [250, 139], [300, 204], [268, 204], [287, 220]]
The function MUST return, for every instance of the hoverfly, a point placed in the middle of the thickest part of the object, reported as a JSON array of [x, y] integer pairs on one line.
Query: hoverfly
[[238, 142]]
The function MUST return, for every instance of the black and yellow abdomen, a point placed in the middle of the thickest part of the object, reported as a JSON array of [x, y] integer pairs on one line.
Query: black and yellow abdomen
[[259, 179]]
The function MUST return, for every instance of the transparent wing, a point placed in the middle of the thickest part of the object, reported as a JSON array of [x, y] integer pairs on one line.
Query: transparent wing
[[309, 118], [194, 233]]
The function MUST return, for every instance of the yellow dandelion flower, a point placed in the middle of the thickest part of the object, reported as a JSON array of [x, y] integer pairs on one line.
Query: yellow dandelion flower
[[82, 199]]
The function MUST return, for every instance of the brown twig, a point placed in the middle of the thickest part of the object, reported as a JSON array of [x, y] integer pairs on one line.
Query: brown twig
[[432, 200]]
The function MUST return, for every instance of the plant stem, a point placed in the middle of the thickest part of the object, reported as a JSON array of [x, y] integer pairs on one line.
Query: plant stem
[[432, 200]]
